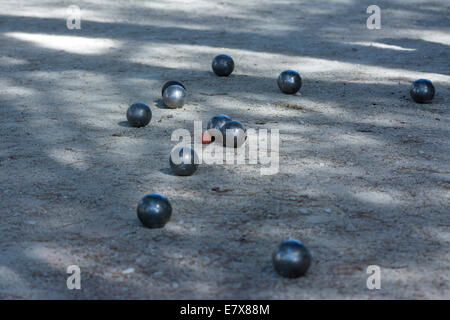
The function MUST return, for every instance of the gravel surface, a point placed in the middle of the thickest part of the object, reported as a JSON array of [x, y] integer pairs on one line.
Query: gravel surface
[[364, 174]]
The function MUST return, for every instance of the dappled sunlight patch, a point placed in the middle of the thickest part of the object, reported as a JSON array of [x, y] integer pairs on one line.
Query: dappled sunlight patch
[[69, 157], [278, 231], [435, 36], [440, 232], [179, 227], [181, 5], [330, 166], [380, 45], [56, 257], [384, 74], [11, 61], [57, 12], [186, 57], [72, 44], [8, 89], [378, 198], [219, 10], [357, 139], [18, 91], [169, 56], [203, 287]]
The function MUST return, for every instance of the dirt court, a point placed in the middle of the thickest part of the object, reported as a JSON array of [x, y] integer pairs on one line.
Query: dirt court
[[364, 174]]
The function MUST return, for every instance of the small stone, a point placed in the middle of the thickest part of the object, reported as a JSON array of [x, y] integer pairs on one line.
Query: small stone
[[127, 271], [178, 256], [139, 260]]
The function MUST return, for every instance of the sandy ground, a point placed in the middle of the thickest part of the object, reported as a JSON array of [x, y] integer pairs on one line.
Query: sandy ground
[[364, 171]]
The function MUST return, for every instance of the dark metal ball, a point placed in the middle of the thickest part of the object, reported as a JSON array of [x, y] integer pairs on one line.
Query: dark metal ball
[[234, 134], [289, 81], [223, 65], [174, 96], [291, 259], [217, 122], [170, 83], [422, 91], [139, 115], [183, 161], [154, 210]]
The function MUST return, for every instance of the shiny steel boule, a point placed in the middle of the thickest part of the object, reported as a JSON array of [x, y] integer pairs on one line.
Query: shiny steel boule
[[291, 259], [170, 83], [174, 96], [139, 115], [154, 210], [223, 65], [217, 122], [183, 161], [234, 134], [289, 82], [214, 126], [422, 91]]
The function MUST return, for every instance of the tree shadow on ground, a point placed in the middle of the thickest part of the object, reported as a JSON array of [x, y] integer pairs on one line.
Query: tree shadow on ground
[[69, 192]]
